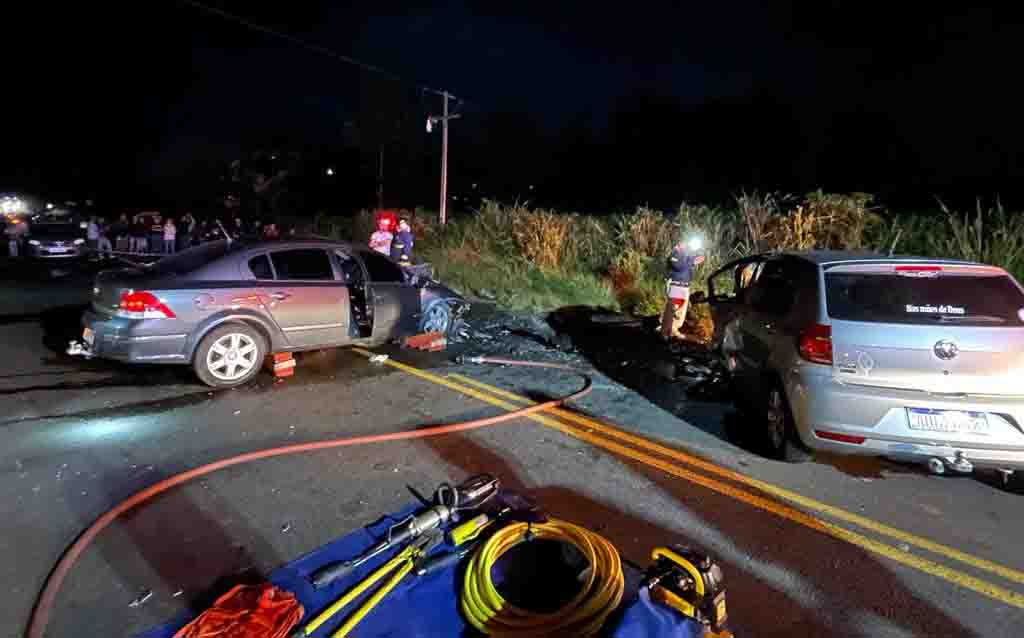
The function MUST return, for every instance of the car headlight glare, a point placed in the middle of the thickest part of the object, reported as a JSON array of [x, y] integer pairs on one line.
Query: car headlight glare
[[34, 242]]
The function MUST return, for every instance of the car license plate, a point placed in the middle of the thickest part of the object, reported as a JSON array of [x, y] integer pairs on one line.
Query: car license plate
[[953, 421], [88, 336], [57, 250]]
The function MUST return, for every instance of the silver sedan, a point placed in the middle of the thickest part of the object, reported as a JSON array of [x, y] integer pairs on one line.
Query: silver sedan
[[223, 306]]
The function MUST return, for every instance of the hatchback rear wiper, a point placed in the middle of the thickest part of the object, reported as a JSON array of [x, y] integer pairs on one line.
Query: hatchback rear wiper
[[979, 318]]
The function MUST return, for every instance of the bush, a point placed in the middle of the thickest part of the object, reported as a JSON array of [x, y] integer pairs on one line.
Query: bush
[[646, 232], [757, 212], [542, 237], [991, 237], [824, 221]]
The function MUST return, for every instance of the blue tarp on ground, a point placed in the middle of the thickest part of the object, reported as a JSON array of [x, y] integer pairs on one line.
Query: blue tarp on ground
[[425, 606]]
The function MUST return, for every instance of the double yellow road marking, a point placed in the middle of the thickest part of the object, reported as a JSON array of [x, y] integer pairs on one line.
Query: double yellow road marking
[[611, 439], [776, 491]]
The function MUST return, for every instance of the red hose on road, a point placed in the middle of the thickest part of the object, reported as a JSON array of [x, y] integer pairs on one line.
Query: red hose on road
[[531, 364], [41, 612]]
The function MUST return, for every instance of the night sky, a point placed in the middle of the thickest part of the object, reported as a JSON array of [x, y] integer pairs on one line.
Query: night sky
[[600, 107]]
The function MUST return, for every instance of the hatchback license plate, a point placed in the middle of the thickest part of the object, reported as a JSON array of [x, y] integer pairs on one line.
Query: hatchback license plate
[[955, 421], [57, 250], [88, 336]]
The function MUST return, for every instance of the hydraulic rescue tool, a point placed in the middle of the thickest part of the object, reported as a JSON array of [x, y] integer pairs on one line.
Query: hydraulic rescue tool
[[690, 583], [449, 501], [464, 538], [404, 562]]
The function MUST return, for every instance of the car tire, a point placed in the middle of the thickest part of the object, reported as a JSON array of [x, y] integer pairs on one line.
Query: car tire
[[437, 317], [780, 439], [229, 356]]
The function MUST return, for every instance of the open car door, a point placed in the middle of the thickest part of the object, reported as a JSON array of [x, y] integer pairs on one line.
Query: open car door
[[727, 291], [395, 303]]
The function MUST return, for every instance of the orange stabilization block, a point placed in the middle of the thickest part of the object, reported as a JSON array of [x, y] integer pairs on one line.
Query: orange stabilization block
[[430, 342], [282, 364]]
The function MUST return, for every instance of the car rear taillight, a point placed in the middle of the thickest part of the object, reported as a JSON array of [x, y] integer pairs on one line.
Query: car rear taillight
[[842, 438], [816, 344], [137, 304]]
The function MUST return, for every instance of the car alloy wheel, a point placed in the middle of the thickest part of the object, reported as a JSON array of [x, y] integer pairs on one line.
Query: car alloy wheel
[[232, 356], [776, 419], [438, 318]]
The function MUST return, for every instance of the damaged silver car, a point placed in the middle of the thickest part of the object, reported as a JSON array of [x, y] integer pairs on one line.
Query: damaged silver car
[[222, 306], [910, 358]]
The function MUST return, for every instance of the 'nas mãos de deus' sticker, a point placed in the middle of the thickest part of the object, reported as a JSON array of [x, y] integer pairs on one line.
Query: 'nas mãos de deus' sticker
[[942, 310]]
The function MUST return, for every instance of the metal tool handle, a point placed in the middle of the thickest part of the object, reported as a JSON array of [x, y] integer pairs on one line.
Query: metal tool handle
[[335, 571], [443, 561], [332, 572]]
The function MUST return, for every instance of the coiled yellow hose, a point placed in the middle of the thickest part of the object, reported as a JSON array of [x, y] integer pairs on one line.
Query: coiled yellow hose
[[485, 609]]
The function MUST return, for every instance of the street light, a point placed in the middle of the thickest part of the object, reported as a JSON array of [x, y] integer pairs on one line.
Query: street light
[[330, 172]]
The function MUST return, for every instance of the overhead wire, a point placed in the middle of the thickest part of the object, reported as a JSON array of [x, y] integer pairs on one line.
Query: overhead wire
[[316, 48]]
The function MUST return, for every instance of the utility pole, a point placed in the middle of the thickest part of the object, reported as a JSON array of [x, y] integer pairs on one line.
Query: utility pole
[[443, 217], [444, 163]]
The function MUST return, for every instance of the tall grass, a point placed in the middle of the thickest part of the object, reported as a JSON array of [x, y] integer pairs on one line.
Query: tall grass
[[823, 221], [991, 236], [542, 259], [543, 237]]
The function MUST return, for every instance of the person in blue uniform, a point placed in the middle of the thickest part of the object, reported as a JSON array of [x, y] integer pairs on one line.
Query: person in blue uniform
[[682, 262], [401, 245]]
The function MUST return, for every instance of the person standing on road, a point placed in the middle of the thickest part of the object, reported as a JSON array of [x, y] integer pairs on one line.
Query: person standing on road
[[15, 230], [190, 227], [92, 234], [121, 231], [170, 236], [138, 235], [105, 247], [681, 265], [156, 233]]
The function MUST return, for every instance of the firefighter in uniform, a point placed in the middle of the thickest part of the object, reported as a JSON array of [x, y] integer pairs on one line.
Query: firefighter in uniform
[[401, 245], [681, 263]]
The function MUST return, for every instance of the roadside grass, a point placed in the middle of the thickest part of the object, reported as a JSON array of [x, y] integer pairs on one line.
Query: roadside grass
[[540, 259]]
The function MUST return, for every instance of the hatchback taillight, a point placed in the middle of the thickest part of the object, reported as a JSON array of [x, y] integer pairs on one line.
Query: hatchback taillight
[[136, 304], [816, 344]]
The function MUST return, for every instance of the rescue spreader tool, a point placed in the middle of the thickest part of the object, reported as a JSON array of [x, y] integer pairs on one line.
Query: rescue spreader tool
[[449, 501]]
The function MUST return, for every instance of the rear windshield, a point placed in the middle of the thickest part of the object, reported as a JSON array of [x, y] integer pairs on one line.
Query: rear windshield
[[193, 258], [956, 299]]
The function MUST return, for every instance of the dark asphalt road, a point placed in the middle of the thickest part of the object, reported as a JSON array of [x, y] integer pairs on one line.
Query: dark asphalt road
[[77, 436]]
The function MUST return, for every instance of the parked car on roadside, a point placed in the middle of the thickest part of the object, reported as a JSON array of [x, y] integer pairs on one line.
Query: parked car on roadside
[[222, 306], [55, 237], [909, 358]]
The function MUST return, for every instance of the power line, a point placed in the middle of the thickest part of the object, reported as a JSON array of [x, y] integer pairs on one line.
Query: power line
[[316, 48]]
